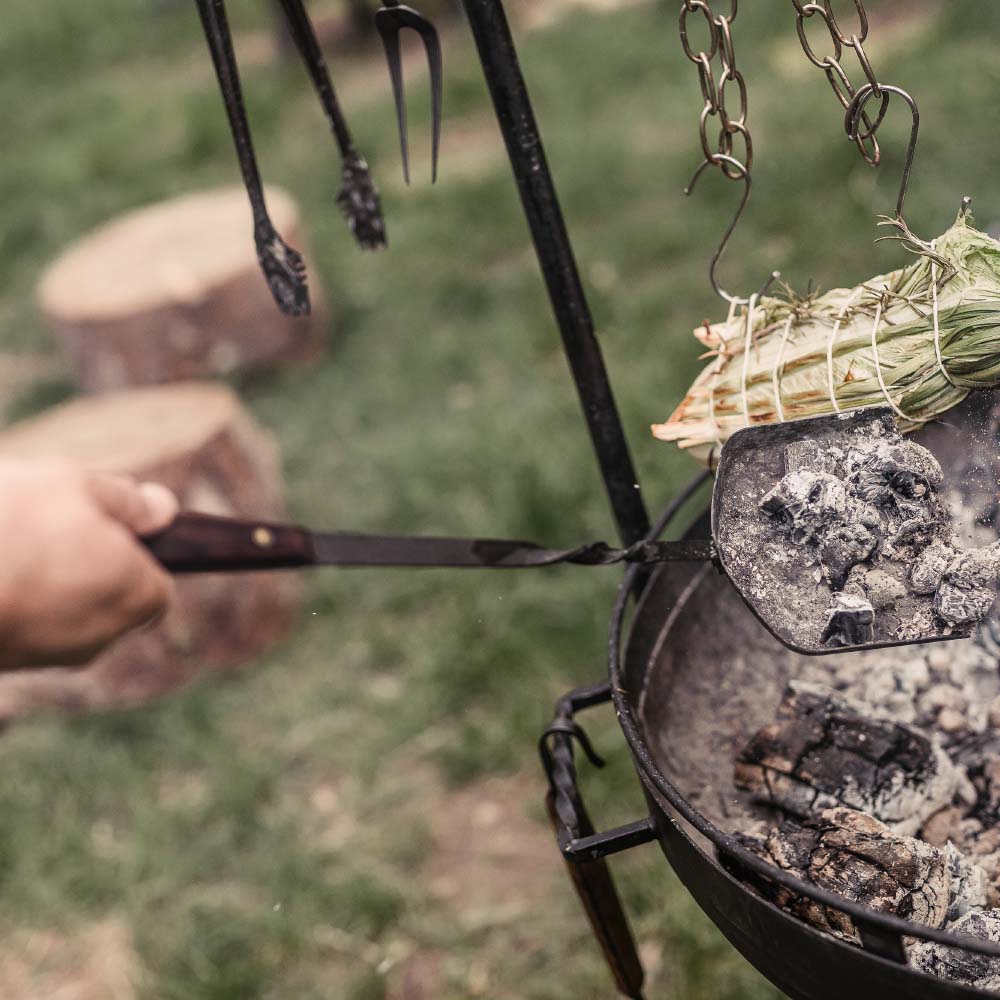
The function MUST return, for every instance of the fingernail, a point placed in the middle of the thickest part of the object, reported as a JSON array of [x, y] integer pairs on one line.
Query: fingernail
[[161, 507]]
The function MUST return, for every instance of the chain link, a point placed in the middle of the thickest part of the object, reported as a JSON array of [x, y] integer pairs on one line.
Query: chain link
[[831, 65], [719, 149]]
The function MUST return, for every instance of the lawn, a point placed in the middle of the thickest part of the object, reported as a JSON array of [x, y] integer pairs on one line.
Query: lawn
[[359, 814]]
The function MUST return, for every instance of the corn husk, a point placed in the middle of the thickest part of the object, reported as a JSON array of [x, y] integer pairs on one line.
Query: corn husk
[[739, 385]]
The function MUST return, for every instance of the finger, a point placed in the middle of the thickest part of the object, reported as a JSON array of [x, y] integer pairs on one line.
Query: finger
[[151, 595], [161, 508], [143, 509]]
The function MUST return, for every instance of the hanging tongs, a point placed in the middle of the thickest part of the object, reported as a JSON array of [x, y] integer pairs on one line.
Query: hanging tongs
[[358, 197], [283, 266], [390, 20]]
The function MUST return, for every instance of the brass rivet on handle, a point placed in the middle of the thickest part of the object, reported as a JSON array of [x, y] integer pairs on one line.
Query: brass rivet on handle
[[263, 537]]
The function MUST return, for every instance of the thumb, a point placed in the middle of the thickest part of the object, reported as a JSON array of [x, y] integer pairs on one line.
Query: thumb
[[144, 508], [160, 508]]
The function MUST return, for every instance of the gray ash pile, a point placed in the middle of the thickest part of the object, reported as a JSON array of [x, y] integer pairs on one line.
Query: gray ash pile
[[868, 524], [879, 779]]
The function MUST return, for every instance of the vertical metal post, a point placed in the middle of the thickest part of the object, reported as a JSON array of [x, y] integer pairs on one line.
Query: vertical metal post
[[555, 255]]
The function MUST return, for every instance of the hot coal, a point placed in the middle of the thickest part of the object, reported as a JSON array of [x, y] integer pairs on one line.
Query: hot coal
[[851, 621], [881, 539]]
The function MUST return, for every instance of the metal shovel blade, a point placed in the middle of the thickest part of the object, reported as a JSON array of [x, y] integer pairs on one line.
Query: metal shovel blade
[[774, 563]]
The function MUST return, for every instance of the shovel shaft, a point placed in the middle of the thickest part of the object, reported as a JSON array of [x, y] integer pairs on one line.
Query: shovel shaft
[[202, 543]]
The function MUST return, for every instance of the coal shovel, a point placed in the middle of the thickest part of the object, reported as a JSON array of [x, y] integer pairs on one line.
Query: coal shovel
[[784, 586]]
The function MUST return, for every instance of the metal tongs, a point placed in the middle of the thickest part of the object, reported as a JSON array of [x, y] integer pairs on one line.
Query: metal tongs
[[283, 266], [751, 461], [357, 197]]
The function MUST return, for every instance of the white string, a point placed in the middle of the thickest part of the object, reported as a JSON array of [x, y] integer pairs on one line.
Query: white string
[[829, 353], [746, 358], [719, 365], [776, 372], [937, 327], [878, 367]]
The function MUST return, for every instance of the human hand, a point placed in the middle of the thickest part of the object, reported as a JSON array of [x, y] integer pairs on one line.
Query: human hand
[[73, 574]]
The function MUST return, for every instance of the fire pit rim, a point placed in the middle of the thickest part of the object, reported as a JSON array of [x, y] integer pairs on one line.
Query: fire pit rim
[[865, 916]]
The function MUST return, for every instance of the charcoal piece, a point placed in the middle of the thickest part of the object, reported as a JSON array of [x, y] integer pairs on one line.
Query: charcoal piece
[[808, 454], [843, 546], [880, 587], [851, 621], [929, 568], [969, 883], [824, 751], [966, 591], [958, 965], [804, 505], [891, 475], [860, 859]]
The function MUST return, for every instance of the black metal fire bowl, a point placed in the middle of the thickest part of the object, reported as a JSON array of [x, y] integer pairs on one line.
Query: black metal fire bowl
[[692, 675]]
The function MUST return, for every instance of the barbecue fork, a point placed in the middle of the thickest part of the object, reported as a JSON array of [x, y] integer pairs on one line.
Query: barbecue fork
[[283, 266], [390, 20], [358, 197]]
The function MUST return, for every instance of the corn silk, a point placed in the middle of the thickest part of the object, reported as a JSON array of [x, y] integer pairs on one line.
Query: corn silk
[[799, 348]]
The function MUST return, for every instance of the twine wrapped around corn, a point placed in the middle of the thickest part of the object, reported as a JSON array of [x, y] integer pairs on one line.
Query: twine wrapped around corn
[[918, 339]]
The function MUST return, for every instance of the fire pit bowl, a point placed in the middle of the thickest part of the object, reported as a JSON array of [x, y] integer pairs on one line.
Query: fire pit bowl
[[692, 676]]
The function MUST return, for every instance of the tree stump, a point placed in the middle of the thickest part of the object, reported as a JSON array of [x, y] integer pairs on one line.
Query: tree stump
[[173, 292], [197, 439]]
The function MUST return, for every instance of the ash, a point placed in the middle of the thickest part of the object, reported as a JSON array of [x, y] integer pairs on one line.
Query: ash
[[878, 538], [883, 764]]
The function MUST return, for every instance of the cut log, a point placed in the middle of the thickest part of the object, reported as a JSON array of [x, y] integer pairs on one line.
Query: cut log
[[172, 292], [197, 439], [824, 751]]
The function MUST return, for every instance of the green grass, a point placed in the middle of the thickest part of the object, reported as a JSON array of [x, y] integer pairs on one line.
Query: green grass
[[443, 406]]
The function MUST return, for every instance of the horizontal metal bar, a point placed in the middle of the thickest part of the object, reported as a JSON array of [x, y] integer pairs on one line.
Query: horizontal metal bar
[[600, 845]]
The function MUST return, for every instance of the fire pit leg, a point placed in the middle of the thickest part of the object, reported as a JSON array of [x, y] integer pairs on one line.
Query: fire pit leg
[[555, 255], [584, 850]]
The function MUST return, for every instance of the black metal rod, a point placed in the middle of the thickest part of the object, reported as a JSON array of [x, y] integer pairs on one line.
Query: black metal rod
[[555, 255], [600, 845]]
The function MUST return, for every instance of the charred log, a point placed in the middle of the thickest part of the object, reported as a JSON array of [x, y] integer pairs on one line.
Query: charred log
[[823, 751], [862, 860]]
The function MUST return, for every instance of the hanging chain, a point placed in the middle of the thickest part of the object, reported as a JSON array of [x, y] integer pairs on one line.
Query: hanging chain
[[722, 152], [719, 151], [835, 72]]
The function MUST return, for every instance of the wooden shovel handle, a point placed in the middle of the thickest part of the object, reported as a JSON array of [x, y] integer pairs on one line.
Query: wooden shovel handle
[[203, 543]]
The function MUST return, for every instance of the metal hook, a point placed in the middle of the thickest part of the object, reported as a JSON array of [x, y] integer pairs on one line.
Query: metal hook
[[852, 117], [744, 175], [390, 20]]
